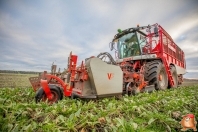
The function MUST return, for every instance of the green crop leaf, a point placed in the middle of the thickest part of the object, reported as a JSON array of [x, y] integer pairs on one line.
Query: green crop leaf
[[151, 121], [78, 113], [120, 122], [135, 125], [126, 99]]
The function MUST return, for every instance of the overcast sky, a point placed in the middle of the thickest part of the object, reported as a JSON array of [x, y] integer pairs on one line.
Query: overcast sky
[[35, 33]]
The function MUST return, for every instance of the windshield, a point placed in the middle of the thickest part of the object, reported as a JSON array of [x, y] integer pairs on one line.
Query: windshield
[[136, 41], [130, 45]]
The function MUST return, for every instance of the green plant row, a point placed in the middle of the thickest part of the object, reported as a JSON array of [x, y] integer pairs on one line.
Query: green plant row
[[158, 111]]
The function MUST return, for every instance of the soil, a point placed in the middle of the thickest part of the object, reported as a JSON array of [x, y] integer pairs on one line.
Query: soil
[[190, 82]]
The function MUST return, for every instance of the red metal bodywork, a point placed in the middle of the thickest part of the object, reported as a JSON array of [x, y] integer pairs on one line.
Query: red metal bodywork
[[166, 49], [169, 53]]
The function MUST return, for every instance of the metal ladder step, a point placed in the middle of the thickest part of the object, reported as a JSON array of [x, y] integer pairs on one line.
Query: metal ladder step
[[170, 77]]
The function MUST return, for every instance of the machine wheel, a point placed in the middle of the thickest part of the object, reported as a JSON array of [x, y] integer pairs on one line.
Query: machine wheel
[[175, 77], [155, 74], [56, 95]]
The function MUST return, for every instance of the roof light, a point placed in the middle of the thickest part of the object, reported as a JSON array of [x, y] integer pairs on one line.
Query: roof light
[[119, 31]]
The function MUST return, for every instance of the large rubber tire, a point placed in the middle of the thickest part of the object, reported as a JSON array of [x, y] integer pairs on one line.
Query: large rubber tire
[[155, 74], [175, 77], [56, 93]]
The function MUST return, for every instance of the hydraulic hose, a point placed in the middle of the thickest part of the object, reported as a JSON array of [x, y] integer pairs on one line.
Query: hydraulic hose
[[111, 60]]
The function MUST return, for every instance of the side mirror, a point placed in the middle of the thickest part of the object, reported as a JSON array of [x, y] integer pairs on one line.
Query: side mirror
[[111, 45], [156, 31]]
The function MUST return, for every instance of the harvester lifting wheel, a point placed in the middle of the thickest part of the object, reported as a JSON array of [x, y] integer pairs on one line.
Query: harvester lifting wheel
[[56, 95], [155, 74]]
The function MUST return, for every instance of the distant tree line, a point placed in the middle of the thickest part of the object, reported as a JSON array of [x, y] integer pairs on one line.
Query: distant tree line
[[19, 72]]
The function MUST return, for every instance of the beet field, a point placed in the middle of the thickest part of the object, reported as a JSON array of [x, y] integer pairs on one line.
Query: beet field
[[160, 111]]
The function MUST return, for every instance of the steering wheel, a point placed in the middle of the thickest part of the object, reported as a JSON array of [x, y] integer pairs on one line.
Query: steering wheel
[[132, 50]]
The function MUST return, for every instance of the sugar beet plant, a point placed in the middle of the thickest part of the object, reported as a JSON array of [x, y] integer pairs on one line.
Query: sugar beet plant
[[157, 111]]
